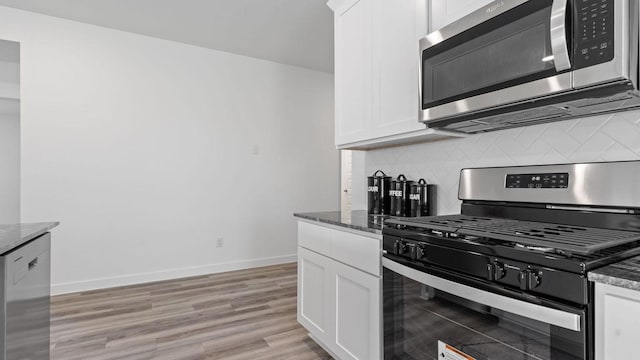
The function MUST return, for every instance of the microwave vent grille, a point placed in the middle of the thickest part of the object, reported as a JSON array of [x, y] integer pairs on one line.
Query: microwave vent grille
[[519, 118], [609, 102]]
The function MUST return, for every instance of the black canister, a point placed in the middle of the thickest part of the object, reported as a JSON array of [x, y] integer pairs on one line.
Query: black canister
[[392, 197], [422, 199], [400, 196], [377, 191]]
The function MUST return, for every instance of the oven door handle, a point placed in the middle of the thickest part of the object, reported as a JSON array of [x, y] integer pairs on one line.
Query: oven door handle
[[559, 35], [544, 314]]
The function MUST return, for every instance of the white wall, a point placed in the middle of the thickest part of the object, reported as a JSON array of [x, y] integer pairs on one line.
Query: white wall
[[600, 138], [147, 151], [359, 183]]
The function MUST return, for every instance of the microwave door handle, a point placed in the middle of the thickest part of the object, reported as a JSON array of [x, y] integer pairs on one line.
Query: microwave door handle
[[559, 35]]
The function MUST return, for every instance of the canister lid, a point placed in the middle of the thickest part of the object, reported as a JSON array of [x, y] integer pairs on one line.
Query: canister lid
[[383, 176]]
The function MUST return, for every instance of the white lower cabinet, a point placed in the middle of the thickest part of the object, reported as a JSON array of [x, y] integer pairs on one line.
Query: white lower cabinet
[[313, 286], [616, 321], [340, 305], [357, 314]]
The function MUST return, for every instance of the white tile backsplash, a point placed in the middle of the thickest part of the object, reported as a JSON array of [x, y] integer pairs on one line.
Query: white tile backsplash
[[600, 138]]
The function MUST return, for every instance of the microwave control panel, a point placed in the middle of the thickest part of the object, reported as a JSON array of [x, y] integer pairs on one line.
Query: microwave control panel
[[593, 32], [538, 181]]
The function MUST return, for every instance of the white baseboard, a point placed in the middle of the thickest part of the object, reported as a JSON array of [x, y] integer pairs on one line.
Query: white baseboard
[[103, 283]]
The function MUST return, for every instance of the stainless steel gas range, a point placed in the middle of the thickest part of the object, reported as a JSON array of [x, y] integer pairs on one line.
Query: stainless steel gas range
[[507, 277]]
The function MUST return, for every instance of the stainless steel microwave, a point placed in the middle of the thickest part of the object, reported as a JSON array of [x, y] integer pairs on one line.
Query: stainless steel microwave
[[520, 62]]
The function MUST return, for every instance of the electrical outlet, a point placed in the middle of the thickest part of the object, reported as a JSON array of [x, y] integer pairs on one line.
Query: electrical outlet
[[220, 242], [255, 150]]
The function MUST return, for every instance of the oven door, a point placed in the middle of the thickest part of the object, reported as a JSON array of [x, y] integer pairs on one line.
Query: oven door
[[430, 317], [509, 51]]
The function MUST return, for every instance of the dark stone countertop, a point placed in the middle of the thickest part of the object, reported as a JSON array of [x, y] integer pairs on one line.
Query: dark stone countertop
[[14, 235], [356, 219], [625, 274]]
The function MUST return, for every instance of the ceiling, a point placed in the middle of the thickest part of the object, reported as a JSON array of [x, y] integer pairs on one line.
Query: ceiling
[[294, 32]]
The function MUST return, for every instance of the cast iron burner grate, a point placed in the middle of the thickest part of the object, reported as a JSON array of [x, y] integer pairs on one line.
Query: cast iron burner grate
[[563, 238]]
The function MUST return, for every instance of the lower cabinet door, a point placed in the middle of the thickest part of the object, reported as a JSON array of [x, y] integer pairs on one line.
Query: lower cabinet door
[[357, 314], [617, 313], [340, 306], [314, 312]]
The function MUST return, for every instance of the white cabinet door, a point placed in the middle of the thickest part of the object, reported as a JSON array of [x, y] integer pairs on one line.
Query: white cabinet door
[[444, 12], [376, 72], [397, 64], [616, 322], [353, 70], [314, 294], [357, 314], [360, 252]]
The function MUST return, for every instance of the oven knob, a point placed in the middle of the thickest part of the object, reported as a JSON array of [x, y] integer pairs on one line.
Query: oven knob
[[412, 251], [491, 274], [416, 252], [534, 279], [396, 247], [495, 271], [523, 278], [499, 270], [399, 247], [529, 279]]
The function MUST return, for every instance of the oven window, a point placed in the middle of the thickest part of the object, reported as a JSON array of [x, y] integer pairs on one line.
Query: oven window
[[417, 318], [510, 49]]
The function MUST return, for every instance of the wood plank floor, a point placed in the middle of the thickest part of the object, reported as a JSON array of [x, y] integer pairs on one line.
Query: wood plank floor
[[247, 314]]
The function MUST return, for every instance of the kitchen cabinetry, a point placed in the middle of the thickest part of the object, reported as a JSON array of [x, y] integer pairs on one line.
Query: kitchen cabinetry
[[444, 12], [376, 72], [617, 311], [357, 314], [339, 299], [26, 299], [353, 70], [313, 288], [397, 56]]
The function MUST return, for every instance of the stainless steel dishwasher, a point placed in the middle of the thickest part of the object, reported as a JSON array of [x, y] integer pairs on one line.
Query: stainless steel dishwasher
[[26, 301]]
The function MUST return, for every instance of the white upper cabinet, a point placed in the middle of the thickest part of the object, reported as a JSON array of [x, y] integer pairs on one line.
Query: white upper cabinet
[[377, 72], [444, 12], [396, 100], [353, 70]]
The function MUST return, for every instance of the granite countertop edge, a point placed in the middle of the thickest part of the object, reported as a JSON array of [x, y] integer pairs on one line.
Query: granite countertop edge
[[15, 235], [624, 274], [329, 218], [615, 281]]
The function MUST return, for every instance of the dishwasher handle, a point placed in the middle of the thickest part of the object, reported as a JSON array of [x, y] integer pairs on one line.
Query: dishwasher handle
[[32, 264]]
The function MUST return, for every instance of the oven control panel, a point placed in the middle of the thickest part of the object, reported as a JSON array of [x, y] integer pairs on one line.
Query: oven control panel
[[593, 40], [514, 275], [537, 181]]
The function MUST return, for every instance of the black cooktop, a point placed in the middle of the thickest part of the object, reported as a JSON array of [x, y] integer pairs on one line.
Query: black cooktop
[[542, 236]]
